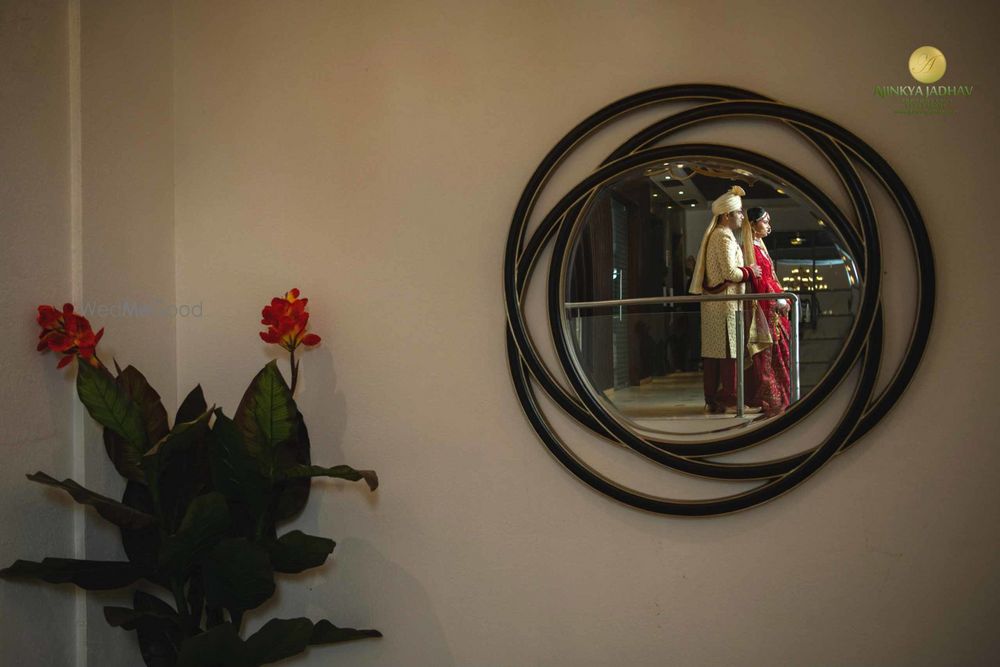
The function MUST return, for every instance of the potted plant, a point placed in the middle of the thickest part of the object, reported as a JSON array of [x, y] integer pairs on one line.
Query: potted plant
[[203, 502]]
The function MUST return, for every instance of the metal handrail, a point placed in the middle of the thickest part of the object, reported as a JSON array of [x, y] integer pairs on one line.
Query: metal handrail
[[793, 346]]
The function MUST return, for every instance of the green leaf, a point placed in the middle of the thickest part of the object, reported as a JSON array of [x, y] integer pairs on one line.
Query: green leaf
[[124, 454], [237, 575], [129, 619], [121, 617], [266, 416], [339, 472], [219, 647], [279, 639], [282, 638], [234, 472], [145, 602], [157, 625], [204, 524], [158, 638], [92, 575], [182, 437], [326, 632], [292, 495], [175, 467], [154, 415], [112, 510], [111, 406], [126, 458], [192, 407], [142, 546], [295, 551]]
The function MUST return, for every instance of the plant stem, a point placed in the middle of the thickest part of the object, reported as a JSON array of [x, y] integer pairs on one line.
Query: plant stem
[[295, 370]]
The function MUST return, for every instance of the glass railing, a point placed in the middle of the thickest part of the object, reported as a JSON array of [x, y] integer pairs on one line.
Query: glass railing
[[643, 355]]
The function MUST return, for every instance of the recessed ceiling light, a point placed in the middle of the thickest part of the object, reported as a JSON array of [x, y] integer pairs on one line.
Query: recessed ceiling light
[[780, 191], [680, 192], [655, 194], [680, 165], [692, 205], [666, 178]]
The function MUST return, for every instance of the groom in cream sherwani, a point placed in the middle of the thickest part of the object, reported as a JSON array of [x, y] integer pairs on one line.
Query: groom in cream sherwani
[[721, 269]]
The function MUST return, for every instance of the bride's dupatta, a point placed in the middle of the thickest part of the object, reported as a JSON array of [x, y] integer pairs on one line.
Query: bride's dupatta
[[756, 328]]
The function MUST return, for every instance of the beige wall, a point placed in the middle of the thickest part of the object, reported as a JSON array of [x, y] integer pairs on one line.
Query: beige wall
[[371, 155], [36, 409], [127, 236], [87, 216]]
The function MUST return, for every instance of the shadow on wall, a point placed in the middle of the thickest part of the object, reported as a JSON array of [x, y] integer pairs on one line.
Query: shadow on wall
[[322, 404], [401, 608], [359, 587]]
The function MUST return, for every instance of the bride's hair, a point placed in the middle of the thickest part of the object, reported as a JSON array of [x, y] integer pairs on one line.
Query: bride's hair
[[756, 213]]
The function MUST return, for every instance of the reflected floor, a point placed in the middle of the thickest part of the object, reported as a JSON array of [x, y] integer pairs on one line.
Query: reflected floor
[[675, 395], [673, 403]]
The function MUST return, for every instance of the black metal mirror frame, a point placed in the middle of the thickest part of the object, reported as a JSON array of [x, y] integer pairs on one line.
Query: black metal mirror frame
[[864, 343]]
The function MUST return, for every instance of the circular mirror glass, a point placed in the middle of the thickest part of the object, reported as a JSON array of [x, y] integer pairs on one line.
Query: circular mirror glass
[[671, 364]]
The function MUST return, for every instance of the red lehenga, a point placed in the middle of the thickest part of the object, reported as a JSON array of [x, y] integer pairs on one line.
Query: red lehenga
[[769, 379]]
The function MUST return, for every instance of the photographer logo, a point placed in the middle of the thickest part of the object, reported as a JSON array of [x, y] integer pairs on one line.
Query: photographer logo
[[927, 66]]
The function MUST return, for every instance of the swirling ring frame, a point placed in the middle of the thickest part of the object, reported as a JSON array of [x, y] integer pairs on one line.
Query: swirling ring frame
[[864, 345]]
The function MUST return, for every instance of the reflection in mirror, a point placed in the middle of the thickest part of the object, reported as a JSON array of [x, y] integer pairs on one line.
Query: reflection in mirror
[[651, 364]]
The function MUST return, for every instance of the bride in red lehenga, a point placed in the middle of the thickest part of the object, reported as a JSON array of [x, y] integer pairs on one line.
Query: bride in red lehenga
[[768, 380]]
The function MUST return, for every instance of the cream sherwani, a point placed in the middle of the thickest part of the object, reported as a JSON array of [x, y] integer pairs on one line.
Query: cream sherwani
[[723, 259]]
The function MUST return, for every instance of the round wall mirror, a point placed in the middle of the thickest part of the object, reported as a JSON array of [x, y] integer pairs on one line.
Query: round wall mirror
[[642, 344], [637, 353]]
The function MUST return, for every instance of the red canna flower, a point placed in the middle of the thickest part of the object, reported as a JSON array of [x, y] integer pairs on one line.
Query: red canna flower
[[69, 334], [286, 319]]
